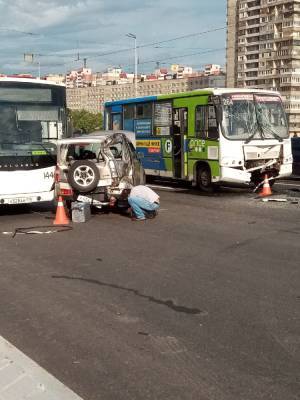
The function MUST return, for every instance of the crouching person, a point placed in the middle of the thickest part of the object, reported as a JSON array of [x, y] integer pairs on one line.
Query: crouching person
[[144, 202]]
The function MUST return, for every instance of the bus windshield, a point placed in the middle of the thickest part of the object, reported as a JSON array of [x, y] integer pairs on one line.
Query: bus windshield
[[251, 116], [23, 127]]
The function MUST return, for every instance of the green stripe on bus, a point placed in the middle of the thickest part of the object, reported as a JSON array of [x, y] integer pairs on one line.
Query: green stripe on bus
[[38, 152]]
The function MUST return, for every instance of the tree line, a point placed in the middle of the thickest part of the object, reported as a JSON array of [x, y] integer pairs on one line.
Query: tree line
[[85, 122]]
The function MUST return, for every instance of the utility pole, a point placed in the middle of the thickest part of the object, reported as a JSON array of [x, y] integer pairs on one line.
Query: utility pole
[[131, 35], [39, 66]]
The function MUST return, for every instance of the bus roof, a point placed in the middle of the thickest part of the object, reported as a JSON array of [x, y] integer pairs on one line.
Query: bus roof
[[196, 92], [219, 91], [29, 80]]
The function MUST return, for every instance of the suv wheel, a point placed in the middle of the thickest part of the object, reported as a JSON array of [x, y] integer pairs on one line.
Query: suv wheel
[[83, 176]]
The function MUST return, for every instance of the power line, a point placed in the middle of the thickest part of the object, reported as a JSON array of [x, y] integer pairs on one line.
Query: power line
[[184, 36], [160, 42], [152, 61], [144, 46], [17, 31], [175, 57], [152, 44]]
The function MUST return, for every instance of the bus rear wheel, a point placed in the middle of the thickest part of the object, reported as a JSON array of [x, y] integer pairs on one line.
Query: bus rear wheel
[[204, 182]]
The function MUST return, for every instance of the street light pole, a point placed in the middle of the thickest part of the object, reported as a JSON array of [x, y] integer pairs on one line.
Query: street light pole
[[39, 64], [131, 35], [29, 58]]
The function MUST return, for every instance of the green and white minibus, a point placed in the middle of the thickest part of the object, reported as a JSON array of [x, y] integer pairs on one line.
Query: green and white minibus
[[209, 137]]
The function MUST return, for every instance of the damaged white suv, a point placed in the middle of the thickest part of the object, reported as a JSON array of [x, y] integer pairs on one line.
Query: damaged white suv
[[98, 167]]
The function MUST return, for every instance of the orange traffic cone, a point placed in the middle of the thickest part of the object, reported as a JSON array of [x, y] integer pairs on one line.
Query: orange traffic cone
[[266, 190], [61, 216]]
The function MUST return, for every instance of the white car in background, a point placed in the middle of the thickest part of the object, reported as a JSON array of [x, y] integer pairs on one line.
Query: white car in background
[[98, 167]]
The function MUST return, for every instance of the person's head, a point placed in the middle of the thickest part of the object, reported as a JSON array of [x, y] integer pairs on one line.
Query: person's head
[[112, 201], [125, 193], [126, 186]]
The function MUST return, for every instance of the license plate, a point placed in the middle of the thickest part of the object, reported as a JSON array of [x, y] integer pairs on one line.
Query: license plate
[[20, 200], [85, 199]]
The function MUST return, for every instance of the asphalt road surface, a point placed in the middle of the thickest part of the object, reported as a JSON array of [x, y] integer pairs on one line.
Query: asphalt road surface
[[201, 303]]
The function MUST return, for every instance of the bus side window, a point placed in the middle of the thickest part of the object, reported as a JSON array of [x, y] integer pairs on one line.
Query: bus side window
[[213, 132], [144, 110], [129, 115], [206, 126], [143, 120], [201, 122], [162, 118], [180, 121], [185, 121], [116, 121]]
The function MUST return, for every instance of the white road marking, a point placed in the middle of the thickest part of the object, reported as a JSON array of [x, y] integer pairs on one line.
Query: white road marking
[[22, 378], [288, 184], [171, 189]]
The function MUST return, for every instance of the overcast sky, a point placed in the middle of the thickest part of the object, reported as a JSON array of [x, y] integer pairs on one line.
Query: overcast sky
[[57, 31]]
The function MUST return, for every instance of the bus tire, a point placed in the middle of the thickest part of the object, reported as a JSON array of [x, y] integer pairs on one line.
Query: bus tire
[[204, 181], [83, 176]]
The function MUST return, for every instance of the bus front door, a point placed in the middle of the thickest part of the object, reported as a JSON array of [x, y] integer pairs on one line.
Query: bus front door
[[115, 123], [179, 130]]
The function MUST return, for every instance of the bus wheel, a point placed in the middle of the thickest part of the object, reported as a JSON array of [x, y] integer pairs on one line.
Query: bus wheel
[[204, 182]]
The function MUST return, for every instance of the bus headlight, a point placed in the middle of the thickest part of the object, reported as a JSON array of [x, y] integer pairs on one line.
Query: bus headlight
[[289, 159], [230, 162]]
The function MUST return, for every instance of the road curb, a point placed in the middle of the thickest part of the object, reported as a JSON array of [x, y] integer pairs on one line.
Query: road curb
[[22, 378]]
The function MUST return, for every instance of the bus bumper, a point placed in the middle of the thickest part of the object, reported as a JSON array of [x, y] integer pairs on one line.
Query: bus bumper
[[232, 175], [285, 171], [26, 198]]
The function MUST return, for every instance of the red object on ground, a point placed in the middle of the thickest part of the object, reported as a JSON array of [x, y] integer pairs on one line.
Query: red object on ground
[[266, 190], [61, 216]]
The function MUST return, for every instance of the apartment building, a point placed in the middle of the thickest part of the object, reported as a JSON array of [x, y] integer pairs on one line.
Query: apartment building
[[212, 69], [263, 49], [85, 78], [56, 78], [80, 78], [93, 98]]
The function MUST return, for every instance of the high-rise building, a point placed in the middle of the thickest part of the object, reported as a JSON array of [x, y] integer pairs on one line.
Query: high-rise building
[[263, 49]]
